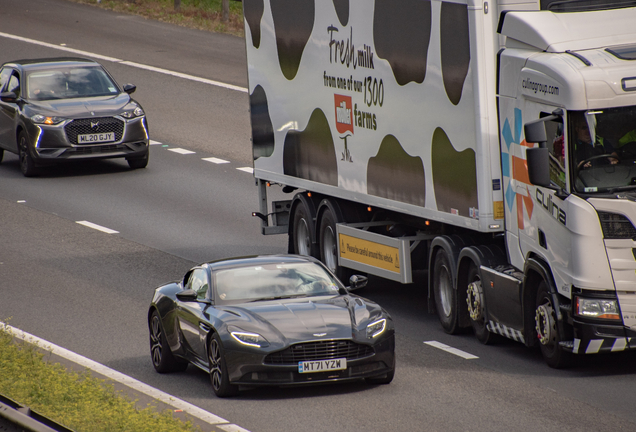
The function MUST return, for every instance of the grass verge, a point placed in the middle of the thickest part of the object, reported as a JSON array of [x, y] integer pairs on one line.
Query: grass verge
[[198, 14], [78, 401]]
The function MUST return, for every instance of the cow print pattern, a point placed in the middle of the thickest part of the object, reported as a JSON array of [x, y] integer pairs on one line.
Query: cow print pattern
[[310, 154], [253, 12], [396, 175], [401, 33], [455, 48], [342, 10], [293, 24], [262, 128], [454, 174]]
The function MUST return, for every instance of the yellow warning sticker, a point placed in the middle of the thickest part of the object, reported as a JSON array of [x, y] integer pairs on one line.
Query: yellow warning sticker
[[498, 209], [370, 253]]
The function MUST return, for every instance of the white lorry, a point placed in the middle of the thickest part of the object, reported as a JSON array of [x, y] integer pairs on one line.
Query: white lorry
[[492, 143]]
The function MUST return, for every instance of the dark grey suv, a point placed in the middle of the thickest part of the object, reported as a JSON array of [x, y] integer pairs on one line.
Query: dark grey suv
[[59, 109]]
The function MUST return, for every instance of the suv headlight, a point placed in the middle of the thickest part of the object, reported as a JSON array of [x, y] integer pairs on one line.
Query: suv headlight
[[376, 328], [137, 112], [49, 120], [248, 338], [597, 308]]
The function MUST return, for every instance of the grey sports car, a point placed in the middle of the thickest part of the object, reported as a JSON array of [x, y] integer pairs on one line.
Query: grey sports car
[[59, 109], [270, 320]]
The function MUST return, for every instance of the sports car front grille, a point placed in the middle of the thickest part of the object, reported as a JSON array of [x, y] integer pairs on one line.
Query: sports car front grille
[[93, 126], [322, 350]]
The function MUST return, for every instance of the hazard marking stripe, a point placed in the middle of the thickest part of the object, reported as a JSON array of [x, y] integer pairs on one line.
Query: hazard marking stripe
[[449, 349]]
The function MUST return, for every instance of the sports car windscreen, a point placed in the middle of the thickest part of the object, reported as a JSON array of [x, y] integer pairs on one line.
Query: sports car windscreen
[[273, 281], [67, 83]]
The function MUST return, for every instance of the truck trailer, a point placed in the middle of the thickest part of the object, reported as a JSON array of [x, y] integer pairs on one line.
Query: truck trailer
[[489, 143]]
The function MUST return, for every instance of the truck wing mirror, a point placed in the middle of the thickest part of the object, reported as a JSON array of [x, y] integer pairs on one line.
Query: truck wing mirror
[[539, 165], [9, 97], [534, 132]]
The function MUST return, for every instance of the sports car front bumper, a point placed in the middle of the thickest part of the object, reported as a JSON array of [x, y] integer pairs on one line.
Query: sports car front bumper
[[249, 368]]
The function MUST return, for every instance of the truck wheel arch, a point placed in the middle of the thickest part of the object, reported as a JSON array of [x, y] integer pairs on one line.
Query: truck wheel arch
[[304, 201], [537, 270]]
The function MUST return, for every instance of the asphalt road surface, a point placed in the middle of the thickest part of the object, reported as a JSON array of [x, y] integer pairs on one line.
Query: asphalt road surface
[[88, 290]]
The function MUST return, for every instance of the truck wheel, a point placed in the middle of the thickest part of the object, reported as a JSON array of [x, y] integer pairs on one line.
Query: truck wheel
[[476, 306], [301, 234], [329, 247], [27, 165], [546, 326], [445, 294]]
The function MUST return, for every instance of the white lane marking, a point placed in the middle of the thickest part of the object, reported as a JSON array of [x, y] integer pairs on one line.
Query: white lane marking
[[127, 63], [181, 151], [153, 142], [451, 350], [97, 227], [21, 201], [185, 76], [246, 169], [62, 48], [157, 394], [215, 160]]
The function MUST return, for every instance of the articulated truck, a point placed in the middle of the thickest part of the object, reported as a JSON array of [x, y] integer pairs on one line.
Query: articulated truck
[[491, 144]]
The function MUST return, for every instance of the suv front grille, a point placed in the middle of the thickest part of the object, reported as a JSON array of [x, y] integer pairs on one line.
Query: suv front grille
[[93, 126], [322, 350]]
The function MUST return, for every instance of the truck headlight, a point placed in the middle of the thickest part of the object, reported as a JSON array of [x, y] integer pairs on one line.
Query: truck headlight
[[376, 328], [597, 308]]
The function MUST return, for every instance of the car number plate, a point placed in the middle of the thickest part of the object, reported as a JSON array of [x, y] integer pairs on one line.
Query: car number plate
[[322, 365], [96, 138]]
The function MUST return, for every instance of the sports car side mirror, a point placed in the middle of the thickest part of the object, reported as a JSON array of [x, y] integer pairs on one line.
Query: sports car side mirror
[[187, 295], [357, 281]]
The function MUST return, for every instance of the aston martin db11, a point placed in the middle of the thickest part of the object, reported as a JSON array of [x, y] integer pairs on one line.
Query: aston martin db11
[[270, 320]]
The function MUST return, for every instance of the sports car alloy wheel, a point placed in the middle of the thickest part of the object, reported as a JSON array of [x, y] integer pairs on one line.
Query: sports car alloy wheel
[[218, 369], [162, 358]]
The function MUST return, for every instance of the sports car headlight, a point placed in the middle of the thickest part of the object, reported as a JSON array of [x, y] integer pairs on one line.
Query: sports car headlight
[[376, 328], [597, 308], [137, 112], [49, 120], [249, 339]]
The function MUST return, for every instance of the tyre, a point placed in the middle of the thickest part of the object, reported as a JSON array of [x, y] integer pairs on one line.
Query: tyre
[[445, 294], [27, 165], [476, 306], [162, 358], [386, 379], [138, 163], [218, 369], [301, 231], [547, 332], [328, 245]]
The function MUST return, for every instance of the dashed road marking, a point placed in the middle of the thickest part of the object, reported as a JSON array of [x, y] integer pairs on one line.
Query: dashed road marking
[[181, 151], [451, 350], [215, 160], [246, 169], [134, 384], [97, 227], [153, 142]]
